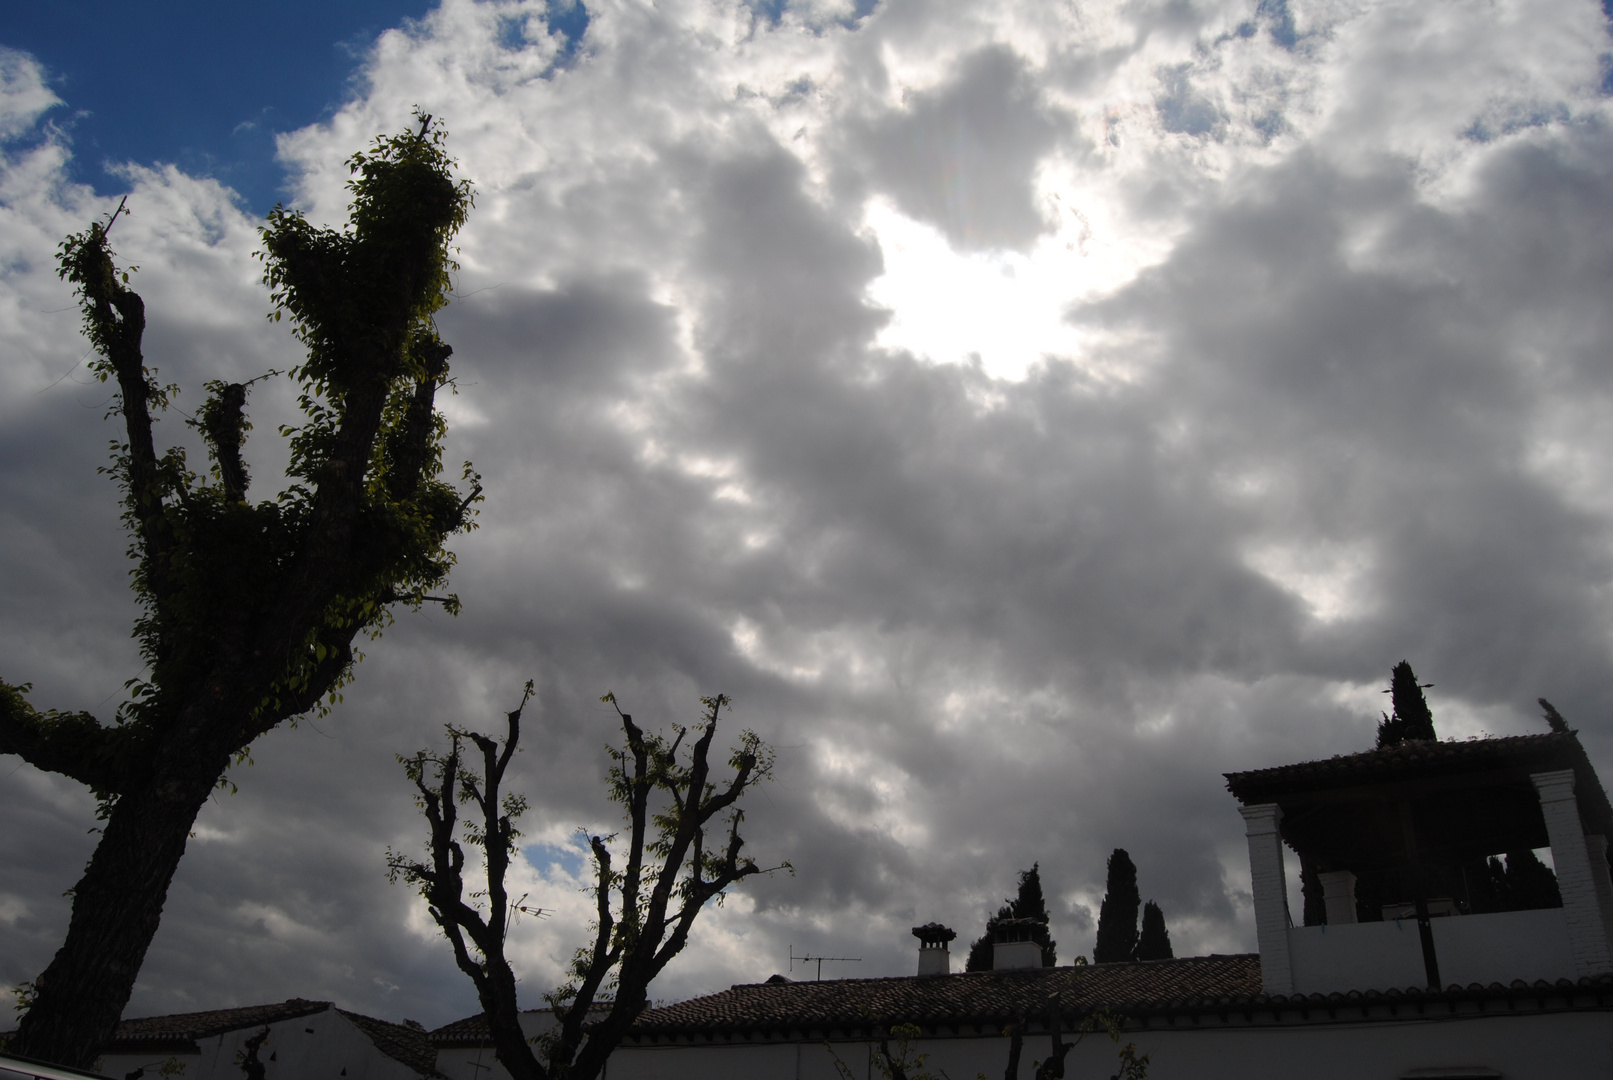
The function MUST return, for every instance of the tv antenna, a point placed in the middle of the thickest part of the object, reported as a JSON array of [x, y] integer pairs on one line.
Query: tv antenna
[[819, 960]]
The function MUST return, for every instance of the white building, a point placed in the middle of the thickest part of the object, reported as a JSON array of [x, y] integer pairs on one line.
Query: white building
[[465, 1047], [1444, 993], [1406, 976], [305, 1039]]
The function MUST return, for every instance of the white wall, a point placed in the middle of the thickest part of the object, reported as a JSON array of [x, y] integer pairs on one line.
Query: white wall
[[1499, 947], [1551, 1047], [332, 1045], [479, 1063], [1356, 956], [1503, 946]]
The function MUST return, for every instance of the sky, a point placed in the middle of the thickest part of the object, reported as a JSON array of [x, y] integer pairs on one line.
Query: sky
[[1024, 412]]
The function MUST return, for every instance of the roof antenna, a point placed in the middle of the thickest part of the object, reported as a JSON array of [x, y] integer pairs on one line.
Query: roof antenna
[[810, 959]]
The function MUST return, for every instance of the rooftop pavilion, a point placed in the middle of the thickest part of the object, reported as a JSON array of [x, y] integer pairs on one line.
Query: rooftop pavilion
[[1397, 837]]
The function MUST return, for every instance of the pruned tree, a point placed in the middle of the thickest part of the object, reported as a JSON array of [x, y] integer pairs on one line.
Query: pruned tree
[[1411, 719], [1154, 942], [644, 909], [1117, 916], [900, 1062], [1051, 1067], [1028, 903], [247, 1060], [248, 611]]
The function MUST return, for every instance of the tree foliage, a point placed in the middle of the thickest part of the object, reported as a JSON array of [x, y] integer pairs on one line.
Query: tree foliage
[[1411, 719], [1117, 917], [1521, 883], [1312, 893], [1553, 718], [1112, 1024], [1027, 903], [248, 610], [1154, 941], [644, 909]]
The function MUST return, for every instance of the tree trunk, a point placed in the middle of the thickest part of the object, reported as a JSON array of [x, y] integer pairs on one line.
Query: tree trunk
[[504, 1025], [117, 905]]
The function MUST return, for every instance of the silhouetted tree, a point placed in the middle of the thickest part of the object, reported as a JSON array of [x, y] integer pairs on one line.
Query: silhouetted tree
[[1411, 718], [248, 611], [1480, 880], [643, 910], [1027, 904], [1554, 718], [1117, 918], [1529, 883], [980, 949], [1310, 888], [1154, 943]]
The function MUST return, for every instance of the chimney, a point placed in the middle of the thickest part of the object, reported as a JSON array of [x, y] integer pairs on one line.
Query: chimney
[[934, 959], [1014, 944]]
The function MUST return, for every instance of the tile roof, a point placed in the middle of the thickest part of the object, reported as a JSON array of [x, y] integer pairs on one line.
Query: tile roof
[[1416, 760], [1141, 991], [189, 1027], [407, 1043], [990, 997], [472, 1030]]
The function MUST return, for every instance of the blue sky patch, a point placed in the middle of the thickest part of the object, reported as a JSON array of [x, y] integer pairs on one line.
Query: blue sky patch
[[1183, 109], [511, 33], [1279, 20], [569, 22], [568, 857], [204, 86]]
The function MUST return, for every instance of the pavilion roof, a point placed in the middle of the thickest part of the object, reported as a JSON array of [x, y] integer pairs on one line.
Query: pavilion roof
[[1468, 799]]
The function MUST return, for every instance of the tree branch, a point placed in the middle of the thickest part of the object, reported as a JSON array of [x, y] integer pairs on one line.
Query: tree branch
[[222, 422], [115, 323], [74, 745]]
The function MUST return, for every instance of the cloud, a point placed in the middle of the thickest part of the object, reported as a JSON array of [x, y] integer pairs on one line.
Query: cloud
[[1326, 388], [963, 155]]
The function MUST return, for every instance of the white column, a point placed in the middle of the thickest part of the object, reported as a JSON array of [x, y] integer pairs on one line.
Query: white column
[[1338, 893], [1596, 850], [1269, 884], [1587, 931]]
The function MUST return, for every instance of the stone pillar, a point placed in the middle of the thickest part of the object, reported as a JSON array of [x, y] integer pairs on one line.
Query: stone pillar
[[1587, 929], [1338, 892], [1269, 884]]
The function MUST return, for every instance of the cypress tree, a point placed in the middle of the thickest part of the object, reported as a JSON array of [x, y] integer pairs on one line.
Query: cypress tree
[[1412, 718], [980, 951], [1154, 943], [1117, 918], [1310, 887], [1028, 904]]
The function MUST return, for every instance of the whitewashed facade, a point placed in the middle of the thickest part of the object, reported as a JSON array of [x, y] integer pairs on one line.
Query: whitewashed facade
[[307, 1039]]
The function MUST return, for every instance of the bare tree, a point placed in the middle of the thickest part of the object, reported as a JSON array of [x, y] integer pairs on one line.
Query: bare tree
[[1105, 1020], [644, 910]]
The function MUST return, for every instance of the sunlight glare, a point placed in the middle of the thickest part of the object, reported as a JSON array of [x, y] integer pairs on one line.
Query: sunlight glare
[[1004, 307]]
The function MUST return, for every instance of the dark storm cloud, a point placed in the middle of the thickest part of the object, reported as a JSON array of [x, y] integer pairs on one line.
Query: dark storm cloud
[[1402, 398], [1347, 414]]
